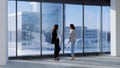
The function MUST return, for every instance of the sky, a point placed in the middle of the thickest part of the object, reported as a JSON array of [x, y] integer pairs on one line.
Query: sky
[[73, 14]]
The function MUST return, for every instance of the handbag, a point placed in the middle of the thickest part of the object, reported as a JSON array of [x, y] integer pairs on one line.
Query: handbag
[[57, 41]]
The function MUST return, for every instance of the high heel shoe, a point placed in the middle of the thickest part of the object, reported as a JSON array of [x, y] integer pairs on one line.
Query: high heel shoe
[[72, 58], [56, 58]]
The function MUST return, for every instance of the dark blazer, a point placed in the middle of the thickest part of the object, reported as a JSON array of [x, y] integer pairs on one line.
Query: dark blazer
[[54, 36]]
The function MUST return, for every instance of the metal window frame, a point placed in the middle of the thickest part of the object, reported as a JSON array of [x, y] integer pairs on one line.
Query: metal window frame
[[63, 2]]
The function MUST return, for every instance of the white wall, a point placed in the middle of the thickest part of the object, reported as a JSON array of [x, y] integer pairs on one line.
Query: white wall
[[3, 32], [115, 27]]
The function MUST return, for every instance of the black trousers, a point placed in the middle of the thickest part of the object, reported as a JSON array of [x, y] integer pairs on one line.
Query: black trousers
[[56, 50]]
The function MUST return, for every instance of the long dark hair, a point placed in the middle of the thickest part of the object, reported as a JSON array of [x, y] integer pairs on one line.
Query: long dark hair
[[55, 27], [72, 26]]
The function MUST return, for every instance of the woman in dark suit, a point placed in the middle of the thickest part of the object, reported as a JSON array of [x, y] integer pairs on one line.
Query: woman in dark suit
[[55, 41]]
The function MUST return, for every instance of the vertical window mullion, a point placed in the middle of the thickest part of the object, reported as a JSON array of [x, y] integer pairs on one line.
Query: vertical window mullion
[[16, 31], [40, 29], [63, 27], [83, 28], [101, 23]]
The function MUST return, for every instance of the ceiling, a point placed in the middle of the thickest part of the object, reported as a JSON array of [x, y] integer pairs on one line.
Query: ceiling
[[85, 2]]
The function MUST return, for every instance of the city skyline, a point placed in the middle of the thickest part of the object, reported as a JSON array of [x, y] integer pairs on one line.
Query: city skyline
[[31, 34], [73, 15]]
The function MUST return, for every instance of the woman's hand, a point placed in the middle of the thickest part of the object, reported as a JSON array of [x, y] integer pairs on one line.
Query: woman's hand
[[68, 42], [56, 37]]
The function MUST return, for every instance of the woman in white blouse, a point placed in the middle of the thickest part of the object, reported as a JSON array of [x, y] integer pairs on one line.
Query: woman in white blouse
[[72, 39]]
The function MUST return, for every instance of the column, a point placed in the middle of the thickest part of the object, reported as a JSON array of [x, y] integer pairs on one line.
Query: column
[[3, 32], [115, 27]]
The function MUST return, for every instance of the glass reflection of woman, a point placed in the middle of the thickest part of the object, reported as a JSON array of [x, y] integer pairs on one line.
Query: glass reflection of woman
[[72, 39], [55, 41]]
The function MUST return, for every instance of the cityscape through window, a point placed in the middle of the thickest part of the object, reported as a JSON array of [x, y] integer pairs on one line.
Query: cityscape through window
[[30, 26]]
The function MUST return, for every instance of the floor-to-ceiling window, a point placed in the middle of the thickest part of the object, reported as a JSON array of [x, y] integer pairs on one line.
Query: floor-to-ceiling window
[[106, 29], [28, 28], [11, 28], [51, 15], [73, 15], [91, 28], [32, 23]]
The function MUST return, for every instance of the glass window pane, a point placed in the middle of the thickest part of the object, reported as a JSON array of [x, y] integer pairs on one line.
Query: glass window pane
[[51, 14], [28, 28], [11, 28], [106, 29], [92, 28], [73, 15]]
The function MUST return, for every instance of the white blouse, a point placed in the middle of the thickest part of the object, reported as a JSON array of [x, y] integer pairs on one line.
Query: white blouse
[[72, 35]]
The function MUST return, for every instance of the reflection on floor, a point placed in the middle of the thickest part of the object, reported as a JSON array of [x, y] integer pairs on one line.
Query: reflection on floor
[[65, 62]]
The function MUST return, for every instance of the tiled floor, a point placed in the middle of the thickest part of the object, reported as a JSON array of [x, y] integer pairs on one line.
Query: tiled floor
[[65, 62]]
